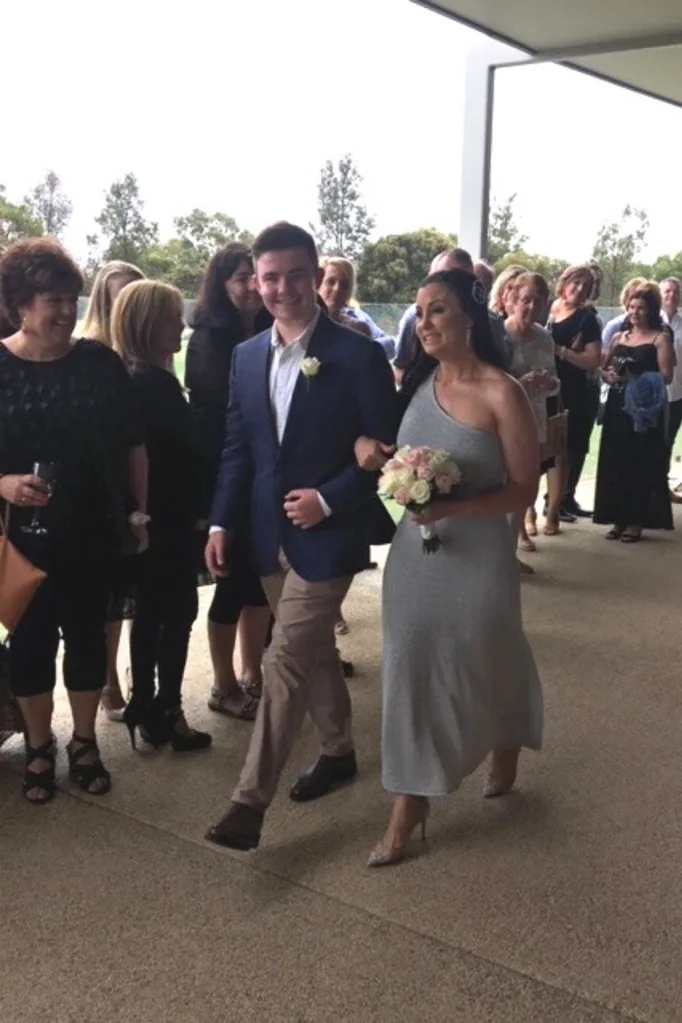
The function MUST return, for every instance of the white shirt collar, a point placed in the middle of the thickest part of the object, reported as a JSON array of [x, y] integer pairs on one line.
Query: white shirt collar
[[303, 339]]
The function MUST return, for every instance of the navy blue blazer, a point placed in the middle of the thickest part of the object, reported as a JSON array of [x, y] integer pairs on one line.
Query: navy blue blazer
[[353, 394]]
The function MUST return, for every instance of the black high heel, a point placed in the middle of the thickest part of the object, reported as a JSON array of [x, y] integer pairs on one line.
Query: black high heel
[[44, 780], [152, 726], [185, 742]]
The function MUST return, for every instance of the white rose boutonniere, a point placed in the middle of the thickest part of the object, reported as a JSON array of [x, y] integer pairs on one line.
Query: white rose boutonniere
[[310, 368]]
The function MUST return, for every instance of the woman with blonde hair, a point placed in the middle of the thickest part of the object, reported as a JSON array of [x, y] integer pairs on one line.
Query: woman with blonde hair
[[500, 293], [337, 291], [534, 366], [110, 279], [146, 328], [576, 334]]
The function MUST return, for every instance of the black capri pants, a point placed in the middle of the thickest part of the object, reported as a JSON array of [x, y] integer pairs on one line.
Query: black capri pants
[[72, 604], [240, 588]]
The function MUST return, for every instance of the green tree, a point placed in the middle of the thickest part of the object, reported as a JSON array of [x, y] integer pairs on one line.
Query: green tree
[[392, 268], [550, 267], [50, 205], [93, 262], [208, 232], [344, 223], [667, 266], [182, 261], [616, 249], [504, 235], [127, 233], [16, 221], [177, 262]]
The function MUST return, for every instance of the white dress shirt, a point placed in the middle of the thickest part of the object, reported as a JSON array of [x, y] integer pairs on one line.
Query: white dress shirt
[[675, 385], [285, 368]]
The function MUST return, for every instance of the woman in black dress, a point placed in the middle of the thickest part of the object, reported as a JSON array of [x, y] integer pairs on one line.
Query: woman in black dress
[[110, 280], [67, 416], [146, 327], [228, 312], [576, 334], [632, 477]]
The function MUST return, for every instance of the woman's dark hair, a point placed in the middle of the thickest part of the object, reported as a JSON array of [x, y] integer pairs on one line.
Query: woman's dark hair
[[470, 294], [651, 296], [214, 307], [34, 267]]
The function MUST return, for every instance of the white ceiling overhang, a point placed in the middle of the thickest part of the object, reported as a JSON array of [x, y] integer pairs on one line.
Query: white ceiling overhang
[[636, 45]]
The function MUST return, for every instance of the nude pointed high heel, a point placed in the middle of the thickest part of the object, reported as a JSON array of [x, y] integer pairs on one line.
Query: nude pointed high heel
[[503, 782], [387, 856]]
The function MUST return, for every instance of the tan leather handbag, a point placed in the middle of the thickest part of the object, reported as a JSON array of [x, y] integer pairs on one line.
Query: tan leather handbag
[[19, 579]]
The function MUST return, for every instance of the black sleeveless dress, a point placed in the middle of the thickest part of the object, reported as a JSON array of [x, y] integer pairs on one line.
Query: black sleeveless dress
[[632, 475]]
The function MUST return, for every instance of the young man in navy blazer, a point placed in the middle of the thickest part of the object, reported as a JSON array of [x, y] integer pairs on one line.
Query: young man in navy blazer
[[301, 394]]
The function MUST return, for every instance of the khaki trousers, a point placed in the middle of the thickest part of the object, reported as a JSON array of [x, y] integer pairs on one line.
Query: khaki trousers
[[301, 674]]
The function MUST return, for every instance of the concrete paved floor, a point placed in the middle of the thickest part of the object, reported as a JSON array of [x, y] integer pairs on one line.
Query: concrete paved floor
[[560, 903]]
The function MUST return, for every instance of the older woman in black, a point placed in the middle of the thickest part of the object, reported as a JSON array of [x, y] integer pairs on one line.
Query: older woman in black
[[146, 328], [228, 312], [66, 429]]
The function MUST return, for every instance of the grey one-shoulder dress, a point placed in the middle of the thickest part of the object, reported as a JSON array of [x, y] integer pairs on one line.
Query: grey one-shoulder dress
[[459, 678]]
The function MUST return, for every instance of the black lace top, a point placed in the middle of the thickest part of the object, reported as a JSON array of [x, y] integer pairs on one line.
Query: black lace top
[[79, 411]]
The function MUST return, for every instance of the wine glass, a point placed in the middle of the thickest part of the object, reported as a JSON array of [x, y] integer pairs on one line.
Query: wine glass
[[47, 474]]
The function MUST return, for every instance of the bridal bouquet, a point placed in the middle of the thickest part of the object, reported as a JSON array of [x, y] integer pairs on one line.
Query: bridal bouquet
[[415, 477]]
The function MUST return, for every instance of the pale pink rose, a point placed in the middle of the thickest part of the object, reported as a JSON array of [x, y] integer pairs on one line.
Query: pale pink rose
[[412, 459], [443, 484], [402, 496], [425, 472], [393, 465]]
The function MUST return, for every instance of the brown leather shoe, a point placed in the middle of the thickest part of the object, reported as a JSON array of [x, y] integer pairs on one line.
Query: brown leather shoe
[[240, 828]]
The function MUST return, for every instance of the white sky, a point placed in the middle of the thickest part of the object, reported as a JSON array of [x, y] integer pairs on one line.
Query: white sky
[[233, 106]]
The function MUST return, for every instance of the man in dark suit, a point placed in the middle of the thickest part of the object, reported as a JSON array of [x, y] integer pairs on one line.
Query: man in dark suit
[[301, 395]]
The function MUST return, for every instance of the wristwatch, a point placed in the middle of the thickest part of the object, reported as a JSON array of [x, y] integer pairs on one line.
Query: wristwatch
[[138, 518]]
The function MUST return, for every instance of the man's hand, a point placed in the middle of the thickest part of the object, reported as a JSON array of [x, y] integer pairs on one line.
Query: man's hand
[[371, 455], [216, 554], [303, 508]]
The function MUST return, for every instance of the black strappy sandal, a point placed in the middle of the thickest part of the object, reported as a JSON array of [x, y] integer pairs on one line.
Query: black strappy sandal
[[44, 780], [86, 775]]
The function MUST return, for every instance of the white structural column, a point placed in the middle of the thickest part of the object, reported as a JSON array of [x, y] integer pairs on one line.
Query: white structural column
[[479, 96]]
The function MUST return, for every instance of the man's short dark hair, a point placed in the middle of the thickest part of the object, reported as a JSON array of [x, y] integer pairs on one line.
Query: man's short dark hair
[[282, 236], [462, 258]]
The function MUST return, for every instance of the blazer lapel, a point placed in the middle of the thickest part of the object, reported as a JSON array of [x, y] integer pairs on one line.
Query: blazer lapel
[[262, 362], [301, 397]]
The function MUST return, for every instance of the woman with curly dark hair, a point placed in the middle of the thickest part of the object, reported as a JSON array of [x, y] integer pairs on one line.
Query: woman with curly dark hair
[[229, 311], [632, 476], [73, 472]]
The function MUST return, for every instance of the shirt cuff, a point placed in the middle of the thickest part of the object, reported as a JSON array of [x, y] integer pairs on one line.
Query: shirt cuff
[[325, 507], [216, 529]]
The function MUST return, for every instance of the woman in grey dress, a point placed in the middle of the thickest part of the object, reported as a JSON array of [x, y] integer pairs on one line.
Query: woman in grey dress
[[459, 679]]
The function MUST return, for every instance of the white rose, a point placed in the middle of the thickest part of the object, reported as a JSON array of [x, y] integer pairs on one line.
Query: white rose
[[310, 367], [390, 482], [420, 492]]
